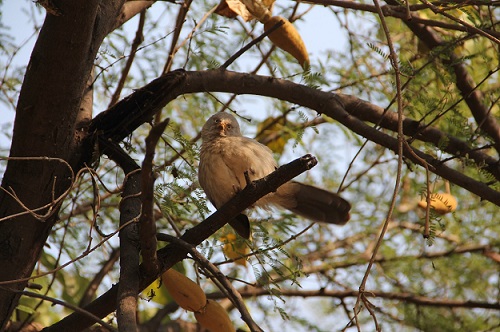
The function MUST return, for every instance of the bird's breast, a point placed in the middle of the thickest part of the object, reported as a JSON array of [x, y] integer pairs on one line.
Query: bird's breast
[[224, 161]]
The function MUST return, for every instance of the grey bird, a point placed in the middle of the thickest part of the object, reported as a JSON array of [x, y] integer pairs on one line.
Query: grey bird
[[225, 157]]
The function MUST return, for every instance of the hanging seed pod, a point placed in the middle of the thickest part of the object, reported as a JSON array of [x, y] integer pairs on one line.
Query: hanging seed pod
[[214, 318], [288, 39], [442, 203], [187, 293]]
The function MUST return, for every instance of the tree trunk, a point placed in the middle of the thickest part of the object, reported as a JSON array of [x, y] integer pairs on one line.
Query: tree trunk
[[46, 125]]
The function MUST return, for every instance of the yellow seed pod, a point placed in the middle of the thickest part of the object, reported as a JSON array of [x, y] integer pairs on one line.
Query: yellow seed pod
[[442, 203], [288, 39], [234, 249], [187, 293], [214, 318]]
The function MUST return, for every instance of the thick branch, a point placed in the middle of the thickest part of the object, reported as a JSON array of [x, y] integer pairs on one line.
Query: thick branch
[[334, 106], [128, 288], [69, 306], [129, 10], [124, 117], [449, 144], [232, 292], [119, 121], [172, 254], [96, 281]]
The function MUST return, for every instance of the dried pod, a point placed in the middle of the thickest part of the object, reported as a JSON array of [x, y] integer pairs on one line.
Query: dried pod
[[288, 39], [184, 291], [442, 203], [214, 318]]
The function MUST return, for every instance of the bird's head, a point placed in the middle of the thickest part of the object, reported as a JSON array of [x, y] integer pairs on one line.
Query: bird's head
[[220, 125]]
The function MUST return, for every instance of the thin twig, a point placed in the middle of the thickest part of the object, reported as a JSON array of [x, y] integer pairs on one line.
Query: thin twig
[[67, 305], [249, 292], [139, 38], [401, 140], [72, 261], [249, 45], [468, 26], [52, 206]]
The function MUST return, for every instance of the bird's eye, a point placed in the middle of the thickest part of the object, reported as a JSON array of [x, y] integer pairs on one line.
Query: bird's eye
[[217, 120], [229, 126]]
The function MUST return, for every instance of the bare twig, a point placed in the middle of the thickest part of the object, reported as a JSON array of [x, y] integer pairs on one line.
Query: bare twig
[[249, 45], [70, 262], [400, 147], [139, 38], [69, 306], [51, 207], [179, 24], [394, 9]]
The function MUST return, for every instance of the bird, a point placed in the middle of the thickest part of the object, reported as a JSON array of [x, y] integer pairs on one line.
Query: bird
[[227, 159]]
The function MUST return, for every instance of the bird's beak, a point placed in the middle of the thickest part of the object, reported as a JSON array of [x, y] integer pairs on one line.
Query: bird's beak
[[223, 125]]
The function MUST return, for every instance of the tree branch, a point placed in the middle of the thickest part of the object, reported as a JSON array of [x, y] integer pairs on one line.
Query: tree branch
[[129, 10], [447, 143], [147, 226], [398, 11], [87, 314], [65, 54], [464, 81], [249, 291], [335, 106], [96, 281], [139, 38], [130, 209], [119, 121], [456, 250], [172, 254]]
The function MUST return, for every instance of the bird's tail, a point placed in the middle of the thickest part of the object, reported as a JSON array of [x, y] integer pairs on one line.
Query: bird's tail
[[314, 203]]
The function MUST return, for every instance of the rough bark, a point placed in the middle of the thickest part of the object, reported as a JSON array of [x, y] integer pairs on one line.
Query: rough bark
[[46, 126]]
